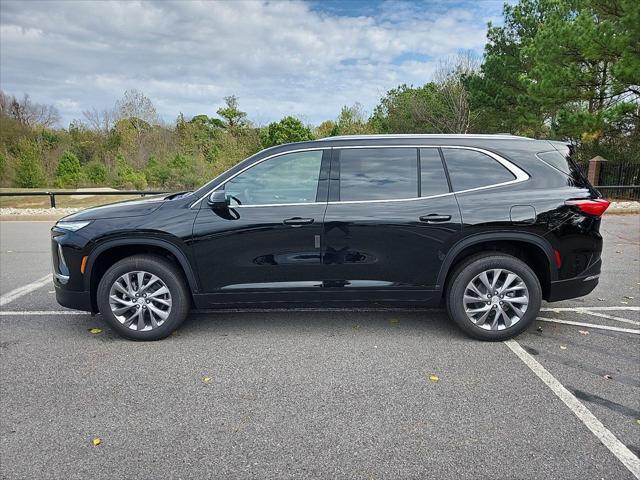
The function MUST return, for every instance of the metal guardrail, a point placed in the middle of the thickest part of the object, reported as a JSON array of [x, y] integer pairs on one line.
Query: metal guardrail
[[52, 195], [631, 192]]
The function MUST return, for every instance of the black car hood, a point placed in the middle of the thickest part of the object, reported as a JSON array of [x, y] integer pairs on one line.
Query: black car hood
[[127, 208]]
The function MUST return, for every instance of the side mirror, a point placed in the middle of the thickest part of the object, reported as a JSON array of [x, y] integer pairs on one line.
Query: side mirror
[[218, 200]]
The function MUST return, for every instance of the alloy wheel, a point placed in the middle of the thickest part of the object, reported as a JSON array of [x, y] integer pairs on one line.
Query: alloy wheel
[[140, 300], [496, 299]]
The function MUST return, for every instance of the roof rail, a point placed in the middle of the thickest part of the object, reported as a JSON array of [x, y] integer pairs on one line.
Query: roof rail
[[500, 136]]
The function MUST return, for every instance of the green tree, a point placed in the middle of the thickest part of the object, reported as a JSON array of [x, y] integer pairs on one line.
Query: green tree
[[233, 117], [68, 171], [576, 73], [352, 121], [29, 173], [287, 130]]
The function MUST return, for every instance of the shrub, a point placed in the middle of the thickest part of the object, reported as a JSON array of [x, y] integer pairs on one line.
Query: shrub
[[95, 172], [29, 173], [68, 171], [127, 177]]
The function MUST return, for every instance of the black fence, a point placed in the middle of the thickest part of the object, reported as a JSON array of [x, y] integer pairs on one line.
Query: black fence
[[619, 174], [618, 180], [52, 195]]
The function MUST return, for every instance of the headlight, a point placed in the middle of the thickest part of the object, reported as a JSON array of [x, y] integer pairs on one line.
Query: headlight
[[72, 226]]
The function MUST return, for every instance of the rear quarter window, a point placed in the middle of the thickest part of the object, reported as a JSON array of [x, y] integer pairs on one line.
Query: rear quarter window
[[556, 160], [472, 169]]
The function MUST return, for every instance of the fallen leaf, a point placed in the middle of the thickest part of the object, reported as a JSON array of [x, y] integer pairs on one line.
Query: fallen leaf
[[175, 332], [433, 377], [394, 321], [539, 329], [638, 421], [355, 327], [96, 441], [563, 347], [629, 297], [624, 303], [95, 331], [583, 332], [206, 379], [601, 299], [608, 377]]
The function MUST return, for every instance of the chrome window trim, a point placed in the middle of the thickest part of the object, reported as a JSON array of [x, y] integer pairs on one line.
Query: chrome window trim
[[520, 175]]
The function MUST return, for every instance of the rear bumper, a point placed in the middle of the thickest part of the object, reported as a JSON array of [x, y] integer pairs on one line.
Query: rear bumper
[[75, 300], [577, 286]]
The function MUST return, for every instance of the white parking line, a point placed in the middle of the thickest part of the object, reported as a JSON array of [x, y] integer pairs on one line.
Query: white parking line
[[608, 439], [593, 309], [28, 313], [589, 325], [610, 317], [20, 291]]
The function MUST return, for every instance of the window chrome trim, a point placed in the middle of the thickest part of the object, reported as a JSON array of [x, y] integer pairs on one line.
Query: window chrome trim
[[520, 175]]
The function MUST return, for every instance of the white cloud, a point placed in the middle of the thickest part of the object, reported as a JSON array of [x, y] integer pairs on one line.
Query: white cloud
[[278, 57]]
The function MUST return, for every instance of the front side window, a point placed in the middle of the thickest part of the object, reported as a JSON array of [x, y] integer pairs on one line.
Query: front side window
[[378, 173], [472, 169], [289, 178]]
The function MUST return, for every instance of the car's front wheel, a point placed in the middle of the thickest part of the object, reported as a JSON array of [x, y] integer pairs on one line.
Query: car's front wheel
[[143, 297], [493, 296]]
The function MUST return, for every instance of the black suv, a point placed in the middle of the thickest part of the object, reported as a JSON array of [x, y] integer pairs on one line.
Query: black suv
[[488, 225]]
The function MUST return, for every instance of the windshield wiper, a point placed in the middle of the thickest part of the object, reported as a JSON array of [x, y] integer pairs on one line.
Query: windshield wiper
[[175, 195]]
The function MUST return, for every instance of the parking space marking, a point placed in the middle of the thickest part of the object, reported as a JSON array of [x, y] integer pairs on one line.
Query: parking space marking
[[610, 317], [589, 325], [21, 291], [608, 439], [28, 313], [593, 309]]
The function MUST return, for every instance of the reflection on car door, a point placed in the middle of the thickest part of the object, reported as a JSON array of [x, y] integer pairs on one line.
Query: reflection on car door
[[389, 221]]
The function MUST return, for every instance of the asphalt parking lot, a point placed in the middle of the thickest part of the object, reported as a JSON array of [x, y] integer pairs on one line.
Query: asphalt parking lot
[[319, 394]]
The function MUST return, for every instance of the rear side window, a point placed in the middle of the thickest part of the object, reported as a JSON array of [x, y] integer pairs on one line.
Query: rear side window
[[471, 169], [433, 180], [378, 173]]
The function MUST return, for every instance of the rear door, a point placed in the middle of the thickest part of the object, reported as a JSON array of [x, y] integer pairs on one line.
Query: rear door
[[390, 220]]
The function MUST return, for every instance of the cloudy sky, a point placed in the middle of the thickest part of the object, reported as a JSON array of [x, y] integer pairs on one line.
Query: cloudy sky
[[279, 57]]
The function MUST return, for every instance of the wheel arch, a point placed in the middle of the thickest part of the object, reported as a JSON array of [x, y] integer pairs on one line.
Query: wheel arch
[[525, 246], [114, 250]]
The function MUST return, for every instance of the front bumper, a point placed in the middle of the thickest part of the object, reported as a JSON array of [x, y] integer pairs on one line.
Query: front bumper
[[71, 299], [577, 286]]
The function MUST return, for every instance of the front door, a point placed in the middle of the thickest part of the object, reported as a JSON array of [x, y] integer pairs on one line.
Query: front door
[[390, 220], [269, 238]]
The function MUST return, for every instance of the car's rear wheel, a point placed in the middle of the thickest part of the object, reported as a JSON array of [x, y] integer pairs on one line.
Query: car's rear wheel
[[143, 297], [493, 296]]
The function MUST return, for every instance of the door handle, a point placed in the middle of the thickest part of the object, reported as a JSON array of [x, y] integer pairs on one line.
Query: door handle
[[298, 221], [434, 218]]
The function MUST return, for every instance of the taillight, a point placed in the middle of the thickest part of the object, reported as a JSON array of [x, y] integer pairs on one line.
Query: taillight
[[591, 206]]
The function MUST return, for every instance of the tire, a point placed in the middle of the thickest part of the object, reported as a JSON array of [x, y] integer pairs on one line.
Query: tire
[[511, 303], [171, 305]]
